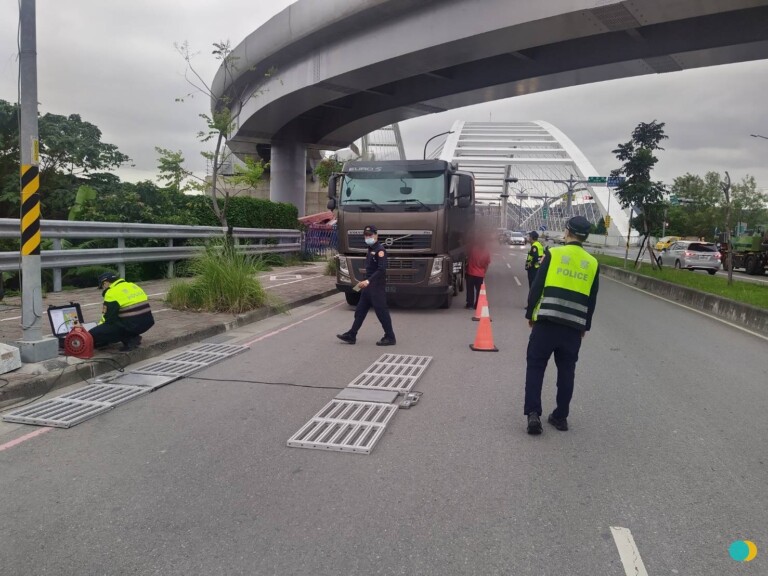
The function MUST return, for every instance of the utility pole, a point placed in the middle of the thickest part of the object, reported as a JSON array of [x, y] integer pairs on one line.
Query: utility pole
[[505, 194], [33, 347], [726, 186]]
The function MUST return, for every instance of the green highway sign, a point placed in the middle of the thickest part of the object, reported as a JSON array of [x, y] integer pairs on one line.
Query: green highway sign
[[545, 212], [597, 179]]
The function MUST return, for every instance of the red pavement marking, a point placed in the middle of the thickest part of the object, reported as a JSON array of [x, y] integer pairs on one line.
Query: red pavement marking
[[24, 438], [284, 328]]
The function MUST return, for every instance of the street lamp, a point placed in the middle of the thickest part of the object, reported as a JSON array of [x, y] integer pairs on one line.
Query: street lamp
[[433, 137], [758, 136], [505, 195]]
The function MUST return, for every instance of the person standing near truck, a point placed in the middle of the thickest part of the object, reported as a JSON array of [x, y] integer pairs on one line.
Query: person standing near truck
[[477, 266], [535, 254], [561, 303], [372, 291]]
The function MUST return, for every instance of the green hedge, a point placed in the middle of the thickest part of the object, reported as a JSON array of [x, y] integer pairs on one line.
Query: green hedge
[[245, 212]]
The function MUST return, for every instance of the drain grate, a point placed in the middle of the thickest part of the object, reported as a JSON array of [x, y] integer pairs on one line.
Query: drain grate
[[75, 407], [397, 372], [345, 426]]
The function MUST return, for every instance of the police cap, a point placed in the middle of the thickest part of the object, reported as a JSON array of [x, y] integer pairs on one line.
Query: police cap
[[107, 276], [533, 234], [370, 230], [579, 226]]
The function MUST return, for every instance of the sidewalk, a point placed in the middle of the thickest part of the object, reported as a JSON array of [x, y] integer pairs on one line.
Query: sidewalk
[[288, 288]]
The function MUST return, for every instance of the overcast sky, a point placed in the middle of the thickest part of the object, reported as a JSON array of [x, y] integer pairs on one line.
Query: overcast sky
[[114, 63]]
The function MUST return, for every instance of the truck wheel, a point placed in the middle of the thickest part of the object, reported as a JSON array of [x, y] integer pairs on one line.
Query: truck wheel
[[352, 298], [751, 265], [712, 272]]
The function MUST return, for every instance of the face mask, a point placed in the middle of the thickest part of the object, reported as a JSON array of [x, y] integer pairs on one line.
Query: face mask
[[370, 241]]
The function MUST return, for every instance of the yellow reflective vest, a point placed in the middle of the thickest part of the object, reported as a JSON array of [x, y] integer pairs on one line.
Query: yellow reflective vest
[[130, 299], [570, 275], [532, 261]]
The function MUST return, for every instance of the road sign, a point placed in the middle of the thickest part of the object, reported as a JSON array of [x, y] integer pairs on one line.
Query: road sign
[[545, 212], [607, 221], [597, 179], [614, 181], [543, 228]]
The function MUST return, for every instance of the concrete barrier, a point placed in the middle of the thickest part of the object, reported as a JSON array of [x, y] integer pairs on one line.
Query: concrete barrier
[[750, 317]]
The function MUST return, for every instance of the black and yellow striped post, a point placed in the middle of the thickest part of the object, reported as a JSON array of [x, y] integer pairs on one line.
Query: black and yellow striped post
[[33, 347], [30, 210]]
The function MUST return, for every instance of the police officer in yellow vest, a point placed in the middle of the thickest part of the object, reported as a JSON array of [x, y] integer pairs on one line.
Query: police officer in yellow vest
[[560, 307], [535, 255], [125, 313]]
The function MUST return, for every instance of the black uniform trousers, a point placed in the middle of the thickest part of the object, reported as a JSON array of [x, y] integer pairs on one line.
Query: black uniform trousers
[[546, 338], [373, 296], [110, 332], [531, 276], [473, 289]]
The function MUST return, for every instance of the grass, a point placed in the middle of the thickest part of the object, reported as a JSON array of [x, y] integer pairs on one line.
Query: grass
[[224, 281], [746, 292]]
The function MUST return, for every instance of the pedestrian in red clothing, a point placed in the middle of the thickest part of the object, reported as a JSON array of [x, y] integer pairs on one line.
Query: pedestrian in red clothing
[[477, 265]]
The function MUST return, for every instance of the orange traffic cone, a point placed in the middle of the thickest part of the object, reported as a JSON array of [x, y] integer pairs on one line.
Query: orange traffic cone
[[484, 337], [482, 300]]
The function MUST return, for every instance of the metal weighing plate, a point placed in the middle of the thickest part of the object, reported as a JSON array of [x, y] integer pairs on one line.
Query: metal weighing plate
[[219, 349], [345, 426], [75, 407], [397, 372], [151, 381], [366, 395], [170, 368]]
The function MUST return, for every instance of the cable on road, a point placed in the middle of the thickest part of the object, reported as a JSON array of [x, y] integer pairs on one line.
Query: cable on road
[[262, 382]]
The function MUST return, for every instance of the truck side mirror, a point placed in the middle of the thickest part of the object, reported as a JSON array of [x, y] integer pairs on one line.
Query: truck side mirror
[[332, 185], [331, 204], [464, 202], [465, 187]]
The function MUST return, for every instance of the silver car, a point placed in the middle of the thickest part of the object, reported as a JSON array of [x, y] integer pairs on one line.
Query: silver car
[[691, 256]]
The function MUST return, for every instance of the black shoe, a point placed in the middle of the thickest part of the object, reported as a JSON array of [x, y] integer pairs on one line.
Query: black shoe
[[386, 341], [346, 337], [468, 306], [534, 424], [559, 423], [130, 344]]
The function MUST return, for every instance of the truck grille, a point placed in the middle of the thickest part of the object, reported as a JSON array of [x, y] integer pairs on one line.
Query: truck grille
[[395, 241], [400, 270]]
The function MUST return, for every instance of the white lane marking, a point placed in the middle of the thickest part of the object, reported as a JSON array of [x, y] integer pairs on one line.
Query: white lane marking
[[509, 265], [284, 328], [517, 281], [279, 277], [291, 282], [628, 552], [731, 324]]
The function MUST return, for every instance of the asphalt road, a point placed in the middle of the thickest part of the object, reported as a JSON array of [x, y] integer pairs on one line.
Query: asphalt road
[[667, 440]]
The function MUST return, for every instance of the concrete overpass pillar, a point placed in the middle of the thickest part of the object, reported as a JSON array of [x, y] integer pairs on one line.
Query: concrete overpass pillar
[[288, 174]]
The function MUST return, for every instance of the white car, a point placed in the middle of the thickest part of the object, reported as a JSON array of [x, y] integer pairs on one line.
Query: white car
[[689, 255]]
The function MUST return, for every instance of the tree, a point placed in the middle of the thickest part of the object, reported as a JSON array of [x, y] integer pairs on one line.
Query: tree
[[326, 167], [170, 164], [221, 122], [749, 205], [638, 190]]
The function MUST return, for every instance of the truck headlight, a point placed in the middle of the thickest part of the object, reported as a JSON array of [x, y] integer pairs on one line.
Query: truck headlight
[[343, 265], [437, 267]]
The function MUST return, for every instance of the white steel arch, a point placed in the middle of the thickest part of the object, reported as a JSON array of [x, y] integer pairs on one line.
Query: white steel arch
[[538, 155]]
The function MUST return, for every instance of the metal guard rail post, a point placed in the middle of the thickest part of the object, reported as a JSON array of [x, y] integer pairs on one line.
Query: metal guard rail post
[[288, 240]]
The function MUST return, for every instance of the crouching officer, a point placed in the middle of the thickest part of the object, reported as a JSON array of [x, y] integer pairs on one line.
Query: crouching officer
[[372, 291], [125, 313], [535, 255], [560, 307]]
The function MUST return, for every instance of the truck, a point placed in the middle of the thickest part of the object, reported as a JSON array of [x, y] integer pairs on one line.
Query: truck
[[749, 251], [424, 211]]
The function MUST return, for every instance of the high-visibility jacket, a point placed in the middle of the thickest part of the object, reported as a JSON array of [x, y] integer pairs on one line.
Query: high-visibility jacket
[[124, 302], [569, 290], [533, 260]]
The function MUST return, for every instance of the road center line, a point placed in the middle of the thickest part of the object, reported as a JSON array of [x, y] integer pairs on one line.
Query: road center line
[[24, 438], [628, 552], [509, 265], [284, 328]]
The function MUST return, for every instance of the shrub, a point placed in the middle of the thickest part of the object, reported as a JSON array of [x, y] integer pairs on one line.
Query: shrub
[[224, 281]]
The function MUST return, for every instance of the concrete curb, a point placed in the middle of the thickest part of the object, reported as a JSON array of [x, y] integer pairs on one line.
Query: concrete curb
[[749, 317], [60, 373]]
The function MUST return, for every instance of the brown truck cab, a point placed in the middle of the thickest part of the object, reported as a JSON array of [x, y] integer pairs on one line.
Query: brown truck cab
[[423, 210]]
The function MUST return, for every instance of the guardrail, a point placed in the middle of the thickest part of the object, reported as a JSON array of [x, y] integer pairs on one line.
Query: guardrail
[[281, 241]]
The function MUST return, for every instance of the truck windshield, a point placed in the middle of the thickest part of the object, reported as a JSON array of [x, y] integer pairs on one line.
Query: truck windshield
[[414, 190]]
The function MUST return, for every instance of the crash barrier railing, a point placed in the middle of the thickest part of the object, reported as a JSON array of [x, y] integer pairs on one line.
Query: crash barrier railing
[[320, 241], [248, 240]]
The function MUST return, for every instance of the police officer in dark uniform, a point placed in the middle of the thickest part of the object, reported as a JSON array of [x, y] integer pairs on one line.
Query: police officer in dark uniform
[[560, 307], [125, 313], [372, 291], [533, 259]]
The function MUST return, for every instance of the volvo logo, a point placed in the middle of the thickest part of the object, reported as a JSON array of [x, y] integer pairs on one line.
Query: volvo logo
[[389, 241]]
